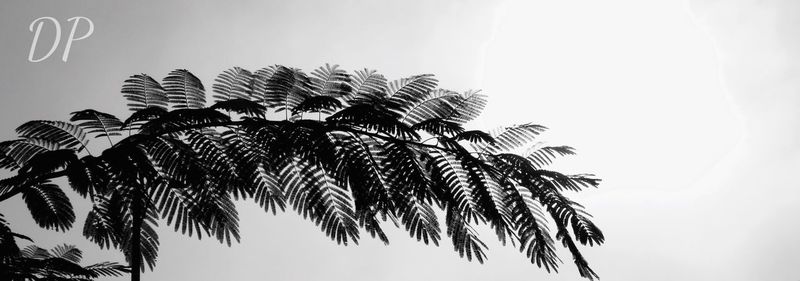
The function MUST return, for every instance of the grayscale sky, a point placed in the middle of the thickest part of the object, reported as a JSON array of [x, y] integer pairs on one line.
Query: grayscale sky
[[688, 111]]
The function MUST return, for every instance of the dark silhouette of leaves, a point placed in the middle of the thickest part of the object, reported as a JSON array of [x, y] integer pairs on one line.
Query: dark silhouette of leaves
[[98, 123], [399, 152], [49, 206], [184, 90], [241, 106], [142, 91], [234, 83], [65, 134]]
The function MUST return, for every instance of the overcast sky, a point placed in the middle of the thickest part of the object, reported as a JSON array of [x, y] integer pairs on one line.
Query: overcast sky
[[688, 111]]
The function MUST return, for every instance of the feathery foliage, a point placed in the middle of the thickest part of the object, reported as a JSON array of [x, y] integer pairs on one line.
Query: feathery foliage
[[348, 152], [35, 263]]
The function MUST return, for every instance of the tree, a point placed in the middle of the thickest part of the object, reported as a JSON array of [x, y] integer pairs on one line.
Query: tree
[[59, 263], [347, 151]]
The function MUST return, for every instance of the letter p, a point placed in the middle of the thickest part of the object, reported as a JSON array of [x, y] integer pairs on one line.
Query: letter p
[[72, 34]]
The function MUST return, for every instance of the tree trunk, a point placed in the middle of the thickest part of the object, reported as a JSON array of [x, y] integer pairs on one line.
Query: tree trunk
[[136, 233]]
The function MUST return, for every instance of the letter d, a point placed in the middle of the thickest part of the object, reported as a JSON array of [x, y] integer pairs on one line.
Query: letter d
[[72, 35], [36, 37]]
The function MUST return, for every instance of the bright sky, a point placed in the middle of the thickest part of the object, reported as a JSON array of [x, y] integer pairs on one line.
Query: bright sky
[[686, 110]]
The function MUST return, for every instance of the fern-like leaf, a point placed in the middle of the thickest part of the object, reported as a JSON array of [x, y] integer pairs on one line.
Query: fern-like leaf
[[241, 106], [286, 88], [143, 115], [234, 83], [439, 127], [99, 123], [64, 134], [184, 90], [543, 156], [67, 252], [49, 161], [19, 152], [534, 236], [142, 91], [330, 81], [465, 238], [179, 119], [108, 269], [415, 107], [316, 195], [467, 107], [514, 137], [475, 136], [369, 117], [323, 104], [49, 206], [366, 85]]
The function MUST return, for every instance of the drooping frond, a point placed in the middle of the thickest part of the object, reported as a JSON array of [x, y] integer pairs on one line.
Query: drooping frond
[[531, 226], [405, 172], [571, 213], [142, 91], [209, 151], [88, 176], [184, 90], [104, 223], [49, 206], [99, 123], [411, 191], [193, 195], [464, 237], [268, 193], [453, 185], [191, 210], [419, 219], [64, 134], [316, 195], [359, 161], [234, 83], [174, 161], [488, 196], [248, 161], [583, 266]]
